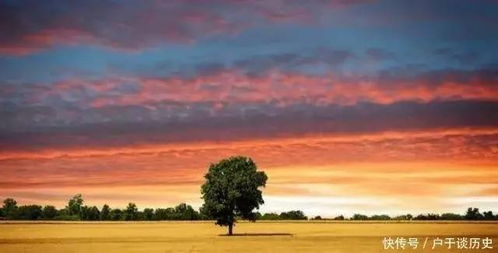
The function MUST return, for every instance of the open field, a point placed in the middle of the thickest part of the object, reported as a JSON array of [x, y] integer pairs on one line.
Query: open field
[[253, 237]]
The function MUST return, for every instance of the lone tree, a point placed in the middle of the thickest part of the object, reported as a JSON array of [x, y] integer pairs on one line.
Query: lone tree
[[231, 190]]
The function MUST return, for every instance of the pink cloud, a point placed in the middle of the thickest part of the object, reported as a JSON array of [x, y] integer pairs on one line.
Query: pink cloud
[[232, 87], [137, 25]]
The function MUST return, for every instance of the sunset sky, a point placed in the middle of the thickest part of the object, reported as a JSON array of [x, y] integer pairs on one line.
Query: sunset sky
[[357, 106]]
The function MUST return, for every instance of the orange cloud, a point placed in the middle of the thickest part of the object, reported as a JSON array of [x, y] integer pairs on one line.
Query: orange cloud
[[423, 141], [395, 167]]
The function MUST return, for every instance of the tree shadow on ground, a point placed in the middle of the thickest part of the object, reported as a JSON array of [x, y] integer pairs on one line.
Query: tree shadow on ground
[[258, 234]]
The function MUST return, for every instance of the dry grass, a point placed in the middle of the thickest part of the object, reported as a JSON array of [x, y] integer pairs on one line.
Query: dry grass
[[205, 237]]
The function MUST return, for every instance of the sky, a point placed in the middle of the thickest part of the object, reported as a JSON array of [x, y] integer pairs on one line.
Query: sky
[[349, 106]]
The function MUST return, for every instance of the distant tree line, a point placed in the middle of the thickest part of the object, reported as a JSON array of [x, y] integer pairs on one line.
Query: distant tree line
[[76, 210], [471, 214], [291, 215]]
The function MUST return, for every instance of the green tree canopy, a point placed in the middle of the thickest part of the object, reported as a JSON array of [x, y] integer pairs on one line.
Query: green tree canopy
[[293, 215], [9, 208], [131, 212], [90, 213], [488, 215], [148, 214], [232, 190], [116, 214], [164, 213], [185, 212], [473, 214], [105, 214], [49, 212], [29, 212], [74, 205]]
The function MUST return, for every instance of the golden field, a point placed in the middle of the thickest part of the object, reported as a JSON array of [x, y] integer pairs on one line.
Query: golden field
[[281, 237]]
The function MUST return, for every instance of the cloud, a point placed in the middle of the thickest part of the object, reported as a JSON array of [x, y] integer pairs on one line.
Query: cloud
[[464, 58], [30, 26], [262, 64], [391, 166], [237, 86], [136, 125], [379, 54], [387, 103], [232, 105]]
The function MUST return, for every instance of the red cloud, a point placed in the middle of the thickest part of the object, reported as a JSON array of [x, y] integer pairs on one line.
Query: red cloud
[[234, 87]]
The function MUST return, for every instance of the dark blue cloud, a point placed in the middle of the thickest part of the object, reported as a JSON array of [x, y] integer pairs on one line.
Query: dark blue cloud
[[138, 125]]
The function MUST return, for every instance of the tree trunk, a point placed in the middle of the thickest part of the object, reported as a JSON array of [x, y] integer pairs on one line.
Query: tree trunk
[[230, 229]]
